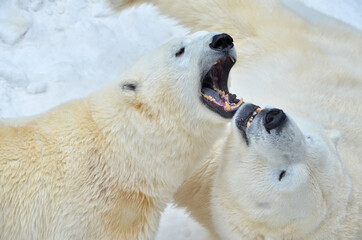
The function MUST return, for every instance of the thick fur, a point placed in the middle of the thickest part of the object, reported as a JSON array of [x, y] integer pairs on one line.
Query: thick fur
[[305, 63], [238, 193], [105, 166]]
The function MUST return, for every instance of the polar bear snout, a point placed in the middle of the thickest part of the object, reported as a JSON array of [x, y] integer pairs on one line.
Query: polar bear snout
[[222, 42], [251, 119], [243, 115], [219, 58], [273, 118]]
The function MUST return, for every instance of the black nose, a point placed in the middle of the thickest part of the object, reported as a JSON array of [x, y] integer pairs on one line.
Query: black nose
[[273, 118], [221, 42]]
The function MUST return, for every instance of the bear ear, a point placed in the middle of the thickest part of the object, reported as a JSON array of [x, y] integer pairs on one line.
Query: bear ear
[[334, 135]]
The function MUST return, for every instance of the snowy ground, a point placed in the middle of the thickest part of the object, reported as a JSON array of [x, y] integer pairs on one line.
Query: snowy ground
[[52, 51]]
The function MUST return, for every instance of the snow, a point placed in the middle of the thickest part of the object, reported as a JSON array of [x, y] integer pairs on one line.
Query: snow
[[349, 11], [53, 51]]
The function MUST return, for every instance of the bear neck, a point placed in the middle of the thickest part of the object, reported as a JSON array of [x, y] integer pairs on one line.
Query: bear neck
[[150, 151]]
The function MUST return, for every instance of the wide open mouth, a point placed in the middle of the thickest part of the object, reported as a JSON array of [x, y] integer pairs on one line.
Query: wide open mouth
[[214, 89]]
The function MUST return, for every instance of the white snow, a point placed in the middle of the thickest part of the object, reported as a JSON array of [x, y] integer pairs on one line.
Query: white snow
[[14, 24], [52, 51], [349, 11]]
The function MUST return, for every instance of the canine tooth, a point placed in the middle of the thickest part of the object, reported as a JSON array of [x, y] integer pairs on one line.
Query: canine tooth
[[218, 61], [232, 59], [228, 108], [258, 110]]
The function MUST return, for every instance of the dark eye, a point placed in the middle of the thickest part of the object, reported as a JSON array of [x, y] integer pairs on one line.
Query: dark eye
[[282, 174], [180, 52]]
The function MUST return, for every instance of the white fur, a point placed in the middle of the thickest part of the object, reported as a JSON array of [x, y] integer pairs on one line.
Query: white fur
[[105, 166], [314, 199], [309, 65]]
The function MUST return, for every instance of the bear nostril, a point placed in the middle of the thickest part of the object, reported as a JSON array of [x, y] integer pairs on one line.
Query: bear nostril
[[269, 119], [273, 119], [221, 42]]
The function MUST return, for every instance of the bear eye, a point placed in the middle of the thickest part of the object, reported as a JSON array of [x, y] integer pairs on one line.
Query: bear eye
[[180, 52], [282, 174], [309, 138]]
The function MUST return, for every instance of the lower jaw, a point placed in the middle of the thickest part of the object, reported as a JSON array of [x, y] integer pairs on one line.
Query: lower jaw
[[221, 112]]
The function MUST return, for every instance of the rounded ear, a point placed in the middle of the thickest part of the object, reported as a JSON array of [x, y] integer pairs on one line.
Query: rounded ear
[[334, 135]]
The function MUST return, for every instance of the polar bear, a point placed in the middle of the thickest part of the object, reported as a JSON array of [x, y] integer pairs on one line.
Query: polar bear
[[303, 62], [274, 177], [105, 166]]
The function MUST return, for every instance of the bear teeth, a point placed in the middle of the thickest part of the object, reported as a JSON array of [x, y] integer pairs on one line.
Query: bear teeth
[[227, 106], [217, 62], [231, 58], [224, 99], [253, 116], [221, 92], [208, 97]]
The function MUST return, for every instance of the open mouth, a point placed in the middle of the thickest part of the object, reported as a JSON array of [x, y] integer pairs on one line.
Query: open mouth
[[246, 115], [253, 115], [214, 89]]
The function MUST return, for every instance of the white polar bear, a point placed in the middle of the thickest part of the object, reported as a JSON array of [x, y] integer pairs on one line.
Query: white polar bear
[[105, 166], [307, 64], [274, 178]]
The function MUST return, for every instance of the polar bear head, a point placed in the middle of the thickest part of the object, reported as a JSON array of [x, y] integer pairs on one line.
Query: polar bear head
[[284, 176], [187, 78]]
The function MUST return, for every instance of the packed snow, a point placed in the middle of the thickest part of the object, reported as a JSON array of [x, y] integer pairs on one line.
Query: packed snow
[[52, 51]]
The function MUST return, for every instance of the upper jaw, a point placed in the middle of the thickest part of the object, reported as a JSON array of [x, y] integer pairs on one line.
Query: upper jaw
[[245, 116], [251, 119], [214, 86]]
